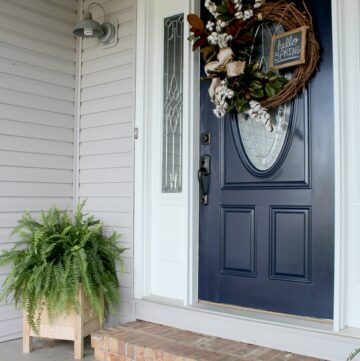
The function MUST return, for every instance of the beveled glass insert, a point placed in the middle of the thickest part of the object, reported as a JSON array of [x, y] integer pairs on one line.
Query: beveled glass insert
[[262, 147], [173, 104]]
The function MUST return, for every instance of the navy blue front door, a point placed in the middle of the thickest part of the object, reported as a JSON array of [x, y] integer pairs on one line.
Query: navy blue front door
[[267, 234]]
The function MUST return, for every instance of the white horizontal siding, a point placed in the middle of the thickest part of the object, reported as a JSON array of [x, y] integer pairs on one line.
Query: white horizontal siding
[[28, 71], [118, 160], [37, 81], [109, 117], [35, 160], [36, 116], [106, 135], [31, 189], [121, 145], [31, 57], [40, 175], [35, 131], [28, 14], [33, 145], [111, 175], [11, 329], [23, 84], [108, 76], [110, 190], [108, 61]]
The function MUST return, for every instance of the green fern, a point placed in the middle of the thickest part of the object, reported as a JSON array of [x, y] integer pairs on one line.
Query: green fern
[[56, 256], [353, 355]]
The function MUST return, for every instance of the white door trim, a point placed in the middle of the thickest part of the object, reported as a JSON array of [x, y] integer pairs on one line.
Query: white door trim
[[144, 198], [142, 29], [346, 50], [340, 228], [346, 53]]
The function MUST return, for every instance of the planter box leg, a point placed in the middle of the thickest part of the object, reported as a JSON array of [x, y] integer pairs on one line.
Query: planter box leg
[[27, 339], [79, 348], [79, 330]]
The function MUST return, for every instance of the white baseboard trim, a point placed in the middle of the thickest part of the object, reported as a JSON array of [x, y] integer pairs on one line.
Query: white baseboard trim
[[315, 342]]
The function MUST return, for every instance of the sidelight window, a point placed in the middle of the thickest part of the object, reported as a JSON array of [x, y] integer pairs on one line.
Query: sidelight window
[[172, 131]]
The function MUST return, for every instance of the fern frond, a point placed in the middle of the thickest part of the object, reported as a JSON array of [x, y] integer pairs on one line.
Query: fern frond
[[57, 256], [353, 355]]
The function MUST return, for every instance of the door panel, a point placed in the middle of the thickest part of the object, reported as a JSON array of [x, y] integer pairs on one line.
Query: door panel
[[267, 237], [233, 262]]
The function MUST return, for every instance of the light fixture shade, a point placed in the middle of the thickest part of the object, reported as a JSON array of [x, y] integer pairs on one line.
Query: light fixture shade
[[88, 28]]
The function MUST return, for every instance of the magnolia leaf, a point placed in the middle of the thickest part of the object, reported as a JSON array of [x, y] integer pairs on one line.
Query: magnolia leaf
[[222, 9], [234, 28], [196, 32], [230, 8], [256, 84], [273, 78], [258, 93], [224, 17], [196, 22], [259, 75], [205, 52], [200, 42], [256, 67], [277, 85], [270, 90], [241, 105], [245, 38]]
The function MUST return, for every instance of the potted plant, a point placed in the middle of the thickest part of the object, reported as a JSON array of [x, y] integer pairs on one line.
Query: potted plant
[[63, 275]]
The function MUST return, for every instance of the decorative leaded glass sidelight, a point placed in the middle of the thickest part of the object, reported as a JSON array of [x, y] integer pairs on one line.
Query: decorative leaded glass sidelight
[[172, 104]]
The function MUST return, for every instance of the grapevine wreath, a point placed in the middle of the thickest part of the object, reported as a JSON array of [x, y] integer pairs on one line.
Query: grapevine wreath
[[226, 42]]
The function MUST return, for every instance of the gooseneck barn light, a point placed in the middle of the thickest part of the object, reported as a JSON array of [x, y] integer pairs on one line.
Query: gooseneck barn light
[[89, 28]]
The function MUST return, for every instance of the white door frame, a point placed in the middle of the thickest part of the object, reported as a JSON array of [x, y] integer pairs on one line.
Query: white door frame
[[346, 50]]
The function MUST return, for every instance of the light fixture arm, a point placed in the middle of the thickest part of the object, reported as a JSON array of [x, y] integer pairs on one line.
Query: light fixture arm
[[94, 3]]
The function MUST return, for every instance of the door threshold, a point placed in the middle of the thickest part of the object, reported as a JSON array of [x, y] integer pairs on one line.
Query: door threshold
[[265, 316], [248, 314]]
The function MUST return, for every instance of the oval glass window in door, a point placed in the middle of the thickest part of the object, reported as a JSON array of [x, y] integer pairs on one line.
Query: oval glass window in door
[[261, 147]]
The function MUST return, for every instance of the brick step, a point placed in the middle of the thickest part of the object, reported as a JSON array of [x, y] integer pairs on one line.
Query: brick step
[[144, 341]]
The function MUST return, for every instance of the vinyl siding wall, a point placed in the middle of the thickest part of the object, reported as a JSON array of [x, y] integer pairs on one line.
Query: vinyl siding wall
[[106, 134], [37, 81]]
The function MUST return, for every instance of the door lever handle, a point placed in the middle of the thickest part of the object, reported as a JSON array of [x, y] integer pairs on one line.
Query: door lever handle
[[204, 171], [203, 196]]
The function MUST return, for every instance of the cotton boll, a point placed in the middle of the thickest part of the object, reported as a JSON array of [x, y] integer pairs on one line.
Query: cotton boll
[[268, 125], [252, 114], [257, 107], [210, 25], [230, 93], [253, 103]]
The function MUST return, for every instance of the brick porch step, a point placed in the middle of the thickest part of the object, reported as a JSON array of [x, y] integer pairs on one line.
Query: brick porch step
[[144, 341]]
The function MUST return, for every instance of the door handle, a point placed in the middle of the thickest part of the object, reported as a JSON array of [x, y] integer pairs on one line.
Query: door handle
[[204, 171]]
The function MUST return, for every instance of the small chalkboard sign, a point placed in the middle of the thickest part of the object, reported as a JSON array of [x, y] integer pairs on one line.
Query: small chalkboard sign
[[288, 49]]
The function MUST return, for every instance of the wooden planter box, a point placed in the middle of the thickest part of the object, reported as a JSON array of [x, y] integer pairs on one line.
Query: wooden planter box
[[73, 327]]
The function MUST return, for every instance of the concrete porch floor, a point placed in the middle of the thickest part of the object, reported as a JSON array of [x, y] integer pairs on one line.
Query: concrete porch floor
[[43, 350]]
